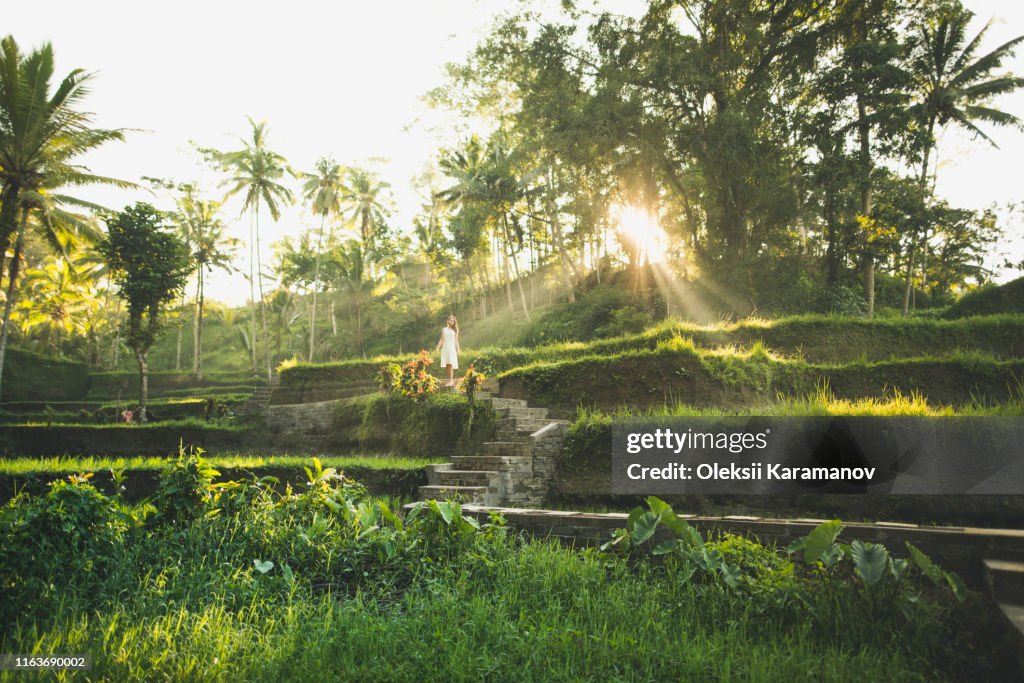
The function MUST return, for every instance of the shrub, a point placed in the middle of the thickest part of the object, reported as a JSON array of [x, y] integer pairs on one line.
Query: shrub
[[840, 300], [415, 381], [186, 489]]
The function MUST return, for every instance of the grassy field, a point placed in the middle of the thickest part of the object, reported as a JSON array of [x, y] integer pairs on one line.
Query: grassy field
[[327, 584]]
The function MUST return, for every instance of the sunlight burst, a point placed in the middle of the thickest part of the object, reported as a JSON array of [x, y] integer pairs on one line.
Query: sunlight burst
[[643, 233]]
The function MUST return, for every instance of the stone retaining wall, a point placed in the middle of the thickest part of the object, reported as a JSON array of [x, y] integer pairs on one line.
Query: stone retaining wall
[[957, 548]]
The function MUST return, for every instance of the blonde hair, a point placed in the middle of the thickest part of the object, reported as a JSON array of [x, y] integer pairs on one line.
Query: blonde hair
[[455, 326]]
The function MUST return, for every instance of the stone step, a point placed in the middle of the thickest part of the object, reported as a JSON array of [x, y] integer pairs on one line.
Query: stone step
[[465, 477], [498, 403], [507, 448], [466, 493], [531, 426], [490, 463], [511, 435], [1005, 580], [523, 412]]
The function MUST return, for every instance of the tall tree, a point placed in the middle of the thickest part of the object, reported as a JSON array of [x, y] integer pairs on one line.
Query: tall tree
[[256, 172], [150, 266], [42, 133], [364, 197], [204, 233], [323, 190], [355, 280], [955, 85]]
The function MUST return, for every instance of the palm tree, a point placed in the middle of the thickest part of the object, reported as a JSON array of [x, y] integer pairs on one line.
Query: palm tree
[[323, 190], [362, 195], [256, 171], [956, 86], [356, 281], [484, 178], [57, 295], [282, 315], [41, 135], [203, 231]]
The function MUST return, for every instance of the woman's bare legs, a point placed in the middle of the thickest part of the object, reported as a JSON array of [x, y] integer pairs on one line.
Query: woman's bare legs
[[451, 376]]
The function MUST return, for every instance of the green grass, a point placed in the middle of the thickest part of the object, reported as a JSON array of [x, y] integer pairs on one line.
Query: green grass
[[182, 599], [813, 338], [732, 378], [542, 615], [68, 464]]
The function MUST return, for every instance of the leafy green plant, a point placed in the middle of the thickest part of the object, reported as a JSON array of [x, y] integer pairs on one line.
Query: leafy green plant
[[687, 547], [416, 381], [442, 528], [388, 377], [186, 489], [469, 385], [883, 581], [471, 382]]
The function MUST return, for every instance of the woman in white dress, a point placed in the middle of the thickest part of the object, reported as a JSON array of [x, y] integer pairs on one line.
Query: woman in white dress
[[448, 345]]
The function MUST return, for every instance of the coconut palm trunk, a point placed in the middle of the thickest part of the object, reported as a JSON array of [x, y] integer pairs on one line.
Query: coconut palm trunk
[[197, 326], [12, 292], [263, 301], [316, 286]]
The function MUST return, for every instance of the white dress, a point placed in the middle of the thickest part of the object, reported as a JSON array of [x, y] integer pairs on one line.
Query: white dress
[[448, 354]]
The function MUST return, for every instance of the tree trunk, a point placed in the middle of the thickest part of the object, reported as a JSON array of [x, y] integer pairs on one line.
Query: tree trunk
[[12, 292], [263, 301], [252, 291], [908, 284], [143, 383], [195, 326], [197, 359], [508, 277], [316, 283], [115, 353], [8, 221], [334, 321], [515, 266], [181, 324], [864, 129], [832, 238], [556, 233], [359, 331]]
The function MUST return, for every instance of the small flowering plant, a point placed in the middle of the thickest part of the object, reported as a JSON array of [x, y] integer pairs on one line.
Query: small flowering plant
[[128, 416], [415, 380], [471, 382]]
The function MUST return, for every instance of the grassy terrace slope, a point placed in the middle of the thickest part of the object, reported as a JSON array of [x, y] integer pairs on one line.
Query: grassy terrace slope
[[814, 339], [677, 371]]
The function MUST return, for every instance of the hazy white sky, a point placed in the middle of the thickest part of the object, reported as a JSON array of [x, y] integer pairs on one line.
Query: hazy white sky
[[340, 78]]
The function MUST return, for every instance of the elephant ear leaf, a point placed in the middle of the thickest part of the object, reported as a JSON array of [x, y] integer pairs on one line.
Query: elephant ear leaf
[[644, 526], [263, 566], [925, 564], [937, 574], [870, 561], [820, 540], [667, 516]]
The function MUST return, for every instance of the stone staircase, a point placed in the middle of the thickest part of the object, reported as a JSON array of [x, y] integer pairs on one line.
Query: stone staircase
[[259, 401], [515, 469], [1005, 579]]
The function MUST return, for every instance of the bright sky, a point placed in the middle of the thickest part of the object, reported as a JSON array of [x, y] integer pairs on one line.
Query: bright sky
[[339, 78]]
